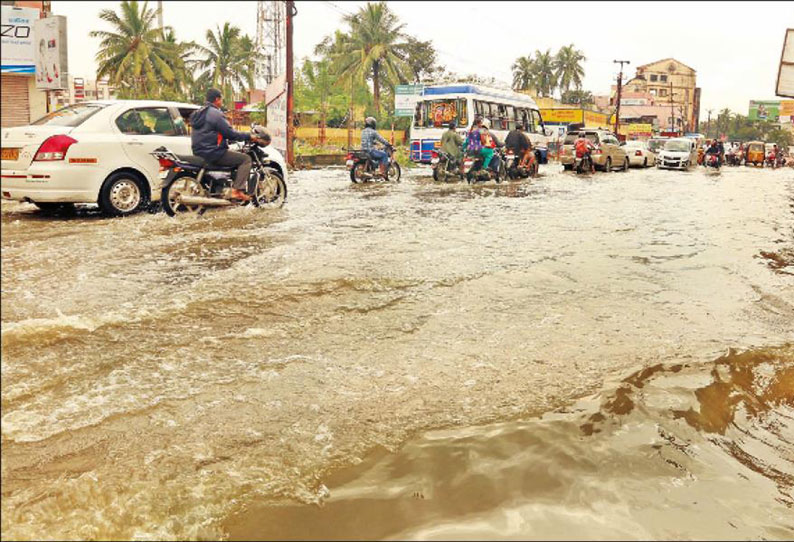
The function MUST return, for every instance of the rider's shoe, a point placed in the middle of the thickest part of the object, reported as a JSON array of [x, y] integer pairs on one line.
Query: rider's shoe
[[238, 195]]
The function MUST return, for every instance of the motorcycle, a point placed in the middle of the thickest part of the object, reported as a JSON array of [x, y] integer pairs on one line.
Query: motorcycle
[[472, 168], [191, 185], [515, 171], [712, 160], [583, 164], [771, 161], [363, 168], [444, 165]]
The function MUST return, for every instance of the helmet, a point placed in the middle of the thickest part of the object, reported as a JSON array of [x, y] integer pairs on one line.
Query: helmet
[[519, 126], [581, 134], [486, 123], [370, 122], [260, 132]]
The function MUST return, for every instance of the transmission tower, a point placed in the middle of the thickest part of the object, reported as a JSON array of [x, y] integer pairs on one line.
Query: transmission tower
[[270, 34]]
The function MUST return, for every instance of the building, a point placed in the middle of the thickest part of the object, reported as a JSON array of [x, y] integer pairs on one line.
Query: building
[[81, 90], [670, 83], [20, 101]]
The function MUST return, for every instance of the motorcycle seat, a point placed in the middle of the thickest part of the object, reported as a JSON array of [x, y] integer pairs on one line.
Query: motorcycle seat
[[200, 162]]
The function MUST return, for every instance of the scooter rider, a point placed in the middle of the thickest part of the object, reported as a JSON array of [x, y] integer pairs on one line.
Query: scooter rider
[[519, 143], [209, 140], [368, 138], [713, 150], [584, 147], [451, 142]]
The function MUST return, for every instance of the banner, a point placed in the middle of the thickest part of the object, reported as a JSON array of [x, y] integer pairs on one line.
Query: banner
[[764, 110], [50, 52], [276, 100], [636, 129], [16, 46], [405, 98], [561, 115], [593, 119]]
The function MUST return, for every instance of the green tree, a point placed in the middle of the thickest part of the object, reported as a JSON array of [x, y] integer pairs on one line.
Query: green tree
[[577, 97], [229, 60], [372, 50], [133, 56], [568, 66], [523, 73], [544, 73], [181, 60], [421, 58]]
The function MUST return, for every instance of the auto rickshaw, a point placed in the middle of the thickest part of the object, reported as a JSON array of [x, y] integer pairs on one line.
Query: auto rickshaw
[[754, 153]]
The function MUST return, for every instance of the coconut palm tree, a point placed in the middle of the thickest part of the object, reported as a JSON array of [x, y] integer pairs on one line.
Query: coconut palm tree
[[228, 60], [543, 73], [523, 74], [182, 61], [568, 65], [134, 52], [374, 48]]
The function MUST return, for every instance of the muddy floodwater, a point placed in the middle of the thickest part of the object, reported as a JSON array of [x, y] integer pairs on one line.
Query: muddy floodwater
[[607, 356]]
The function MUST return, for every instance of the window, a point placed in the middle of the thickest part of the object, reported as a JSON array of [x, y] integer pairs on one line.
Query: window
[[438, 113], [463, 114], [662, 92], [70, 116], [511, 117], [155, 120], [480, 109], [654, 77], [663, 78], [534, 123], [653, 92]]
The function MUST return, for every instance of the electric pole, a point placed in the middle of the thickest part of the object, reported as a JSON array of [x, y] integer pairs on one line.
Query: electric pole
[[620, 90], [291, 12], [160, 14], [708, 122], [672, 109]]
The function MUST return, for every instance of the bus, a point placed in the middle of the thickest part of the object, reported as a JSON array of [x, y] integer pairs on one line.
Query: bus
[[438, 105]]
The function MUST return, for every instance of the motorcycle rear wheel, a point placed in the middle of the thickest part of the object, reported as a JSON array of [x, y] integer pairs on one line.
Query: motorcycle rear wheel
[[182, 184], [440, 172]]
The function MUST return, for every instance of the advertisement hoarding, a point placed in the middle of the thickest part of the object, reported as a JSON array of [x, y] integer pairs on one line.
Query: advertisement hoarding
[[276, 100], [405, 98], [592, 119], [50, 53], [561, 115], [16, 46], [785, 74], [764, 110]]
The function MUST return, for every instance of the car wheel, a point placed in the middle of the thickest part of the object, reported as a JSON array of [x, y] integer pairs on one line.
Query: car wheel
[[608, 165], [645, 162], [567, 167], [122, 194], [625, 165]]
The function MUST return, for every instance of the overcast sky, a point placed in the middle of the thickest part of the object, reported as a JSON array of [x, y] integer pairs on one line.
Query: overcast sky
[[734, 47]]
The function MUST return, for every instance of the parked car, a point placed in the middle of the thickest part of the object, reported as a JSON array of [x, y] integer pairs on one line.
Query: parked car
[[656, 144], [639, 154], [96, 152], [608, 153], [678, 153]]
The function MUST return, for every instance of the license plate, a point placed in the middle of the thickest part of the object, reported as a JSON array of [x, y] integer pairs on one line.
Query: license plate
[[9, 154], [434, 161], [349, 164], [164, 173]]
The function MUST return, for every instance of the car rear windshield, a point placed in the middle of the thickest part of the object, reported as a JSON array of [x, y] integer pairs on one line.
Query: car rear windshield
[[570, 139], [677, 146], [656, 144], [71, 116]]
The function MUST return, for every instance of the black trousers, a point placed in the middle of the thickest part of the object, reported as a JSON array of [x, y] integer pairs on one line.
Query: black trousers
[[243, 164]]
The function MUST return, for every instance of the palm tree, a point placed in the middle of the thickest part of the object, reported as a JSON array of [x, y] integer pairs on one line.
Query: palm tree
[[133, 53], [182, 61], [228, 60], [568, 64], [318, 89], [543, 73], [373, 49], [523, 74]]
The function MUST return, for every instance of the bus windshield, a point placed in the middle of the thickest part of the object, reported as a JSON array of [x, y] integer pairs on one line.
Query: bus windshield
[[439, 113]]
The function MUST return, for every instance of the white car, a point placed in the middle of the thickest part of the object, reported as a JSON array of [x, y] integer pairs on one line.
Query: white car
[[639, 154], [96, 152], [678, 153]]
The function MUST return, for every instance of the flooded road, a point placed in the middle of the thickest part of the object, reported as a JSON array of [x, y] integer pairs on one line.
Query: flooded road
[[609, 356]]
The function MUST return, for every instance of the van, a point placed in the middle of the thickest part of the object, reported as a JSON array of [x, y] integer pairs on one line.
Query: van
[[678, 153]]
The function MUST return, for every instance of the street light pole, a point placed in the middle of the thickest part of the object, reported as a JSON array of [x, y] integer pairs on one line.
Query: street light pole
[[291, 12], [620, 89], [672, 109]]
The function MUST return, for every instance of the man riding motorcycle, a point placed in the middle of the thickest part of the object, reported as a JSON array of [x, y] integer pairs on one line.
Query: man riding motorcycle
[[209, 140], [714, 150], [451, 142], [583, 148], [519, 143], [368, 138]]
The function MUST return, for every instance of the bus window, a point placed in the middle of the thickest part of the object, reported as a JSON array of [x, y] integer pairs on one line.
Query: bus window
[[538, 122], [418, 114], [479, 108], [511, 118], [463, 115], [535, 122], [526, 120]]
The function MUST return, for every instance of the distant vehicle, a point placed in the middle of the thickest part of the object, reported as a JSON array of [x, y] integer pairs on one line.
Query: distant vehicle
[[656, 144], [607, 155], [678, 153], [363, 167], [754, 153], [461, 102], [639, 154], [97, 152]]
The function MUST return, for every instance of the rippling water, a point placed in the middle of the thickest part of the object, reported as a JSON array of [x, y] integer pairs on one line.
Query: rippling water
[[191, 378]]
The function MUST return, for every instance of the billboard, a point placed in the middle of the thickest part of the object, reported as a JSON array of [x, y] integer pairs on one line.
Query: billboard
[[16, 46], [50, 53], [785, 74], [780, 111], [405, 98], [561, 115]]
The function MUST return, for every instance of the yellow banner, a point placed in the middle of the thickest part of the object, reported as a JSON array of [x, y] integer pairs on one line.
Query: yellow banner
[[594, 120], [561, 115], [635, 129], [786, 108]]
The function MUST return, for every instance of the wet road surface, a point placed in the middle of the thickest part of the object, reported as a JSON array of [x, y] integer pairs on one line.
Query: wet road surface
[[198, 377]]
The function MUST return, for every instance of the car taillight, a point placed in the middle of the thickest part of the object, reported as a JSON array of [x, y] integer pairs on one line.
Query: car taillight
[[637, 153], [54, 148], [349, 156], [165, 163], [433, 154]]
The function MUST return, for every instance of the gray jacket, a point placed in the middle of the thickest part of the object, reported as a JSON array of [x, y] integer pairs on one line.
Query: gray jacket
[[211, 133]]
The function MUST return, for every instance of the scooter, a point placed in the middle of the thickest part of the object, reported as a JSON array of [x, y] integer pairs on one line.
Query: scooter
[[363, 168], [444, 165], [473, 171], [516, 171], [583, 164], [712, 161]]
